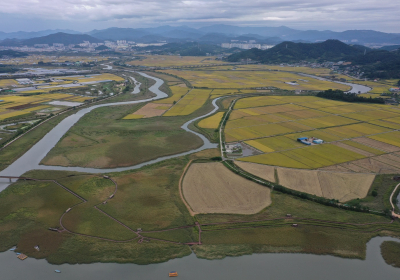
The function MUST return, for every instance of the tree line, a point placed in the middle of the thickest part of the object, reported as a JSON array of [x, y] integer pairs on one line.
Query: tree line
[[348, 96]]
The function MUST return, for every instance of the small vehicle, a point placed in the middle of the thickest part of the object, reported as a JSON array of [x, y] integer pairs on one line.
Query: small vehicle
[[173, 274], [57, 271]]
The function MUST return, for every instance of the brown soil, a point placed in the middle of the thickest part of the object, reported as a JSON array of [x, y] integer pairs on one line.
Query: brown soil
[[300, 180], [345, 186], [353, 167], [336, 168], [376, 166], [150, 110], [331, 185], [265, 172], [212, 188], [377, 144], [390, 159]]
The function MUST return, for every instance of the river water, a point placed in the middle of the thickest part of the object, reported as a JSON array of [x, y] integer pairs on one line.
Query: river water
[[355, 88], [254, 267], [31, 159]]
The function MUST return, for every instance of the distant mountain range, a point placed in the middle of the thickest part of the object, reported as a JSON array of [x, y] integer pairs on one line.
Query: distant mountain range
[[27, 35], [221, 33], [60, 37]]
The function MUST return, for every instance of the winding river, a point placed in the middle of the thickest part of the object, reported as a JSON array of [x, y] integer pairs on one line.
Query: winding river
[[355, 88], [31, 159], [256, 266]]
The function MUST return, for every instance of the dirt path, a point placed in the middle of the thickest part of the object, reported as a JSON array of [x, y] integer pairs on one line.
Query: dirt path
[[192, 213], [391, 202]]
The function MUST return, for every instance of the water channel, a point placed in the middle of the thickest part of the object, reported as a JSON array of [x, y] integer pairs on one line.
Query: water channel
[[256, 266], [355, 88], [31, 159]]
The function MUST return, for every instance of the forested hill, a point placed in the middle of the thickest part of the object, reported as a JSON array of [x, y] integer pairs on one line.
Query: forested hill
[[288, 52], [62, 38], [379, 64], [11, 53]]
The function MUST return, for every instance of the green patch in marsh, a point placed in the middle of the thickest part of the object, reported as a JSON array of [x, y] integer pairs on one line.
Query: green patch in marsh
[[390, 251], [149, 198], [92, 142]]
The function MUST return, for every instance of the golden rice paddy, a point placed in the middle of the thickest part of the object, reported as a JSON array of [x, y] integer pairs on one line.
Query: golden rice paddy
[[178, 92], [27, 104], [253, 79], [94, 78], [192, 101], [272, 125], [8, 82], [34, 59], [211, 122], [174, 61]]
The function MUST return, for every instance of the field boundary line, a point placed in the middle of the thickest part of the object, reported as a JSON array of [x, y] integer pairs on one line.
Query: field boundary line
[[391, 202], [173, 105], [191, 211]]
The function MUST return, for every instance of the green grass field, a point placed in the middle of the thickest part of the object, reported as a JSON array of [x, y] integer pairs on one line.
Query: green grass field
[[96, 143], [390, 252], [149, 198]]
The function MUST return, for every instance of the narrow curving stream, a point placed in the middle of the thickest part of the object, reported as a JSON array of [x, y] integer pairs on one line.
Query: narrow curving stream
[[257, 266], [31, 159], [355, 88]]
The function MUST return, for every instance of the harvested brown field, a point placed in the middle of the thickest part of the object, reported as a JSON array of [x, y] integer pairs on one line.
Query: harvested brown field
[[150, 110], [212, 188], [376, 166], [331, 185], [353, 149], [300, 180], [377, 144], [335, 168], [355, 168], [265, 172], [390, 159], [345, 186]]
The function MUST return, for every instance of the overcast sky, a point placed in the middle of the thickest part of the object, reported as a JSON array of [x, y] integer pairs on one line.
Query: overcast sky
[[85, 15]]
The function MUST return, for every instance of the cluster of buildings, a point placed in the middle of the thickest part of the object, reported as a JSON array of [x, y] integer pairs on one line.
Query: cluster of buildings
[[246, 46], [310, 141], [85, 46]]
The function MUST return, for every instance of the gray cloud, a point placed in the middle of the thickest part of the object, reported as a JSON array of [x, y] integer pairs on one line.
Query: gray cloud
[[310, 14]]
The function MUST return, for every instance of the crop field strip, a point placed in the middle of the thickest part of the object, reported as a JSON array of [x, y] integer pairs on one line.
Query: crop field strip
[[149, 110], [14, 105], [172, 61], [61, 84], [334, 123], [211, 122], [212, 188], [252, 79], [192, 101], [177, 92], [34, 59]]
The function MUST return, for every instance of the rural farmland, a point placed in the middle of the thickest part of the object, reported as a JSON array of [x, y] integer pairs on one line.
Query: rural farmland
[[272, 125]]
